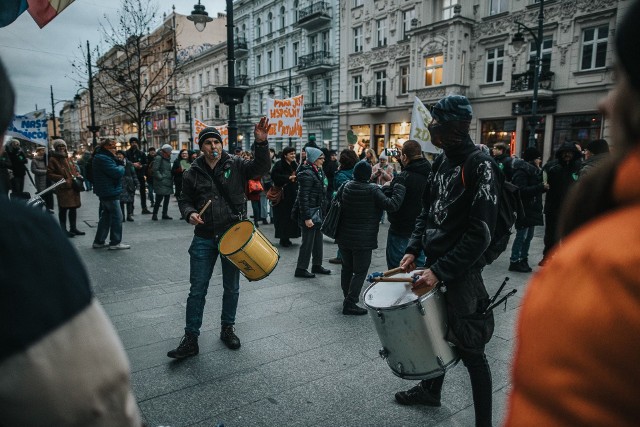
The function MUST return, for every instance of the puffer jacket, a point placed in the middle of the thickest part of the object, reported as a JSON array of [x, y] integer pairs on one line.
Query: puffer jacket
[[232, 172], [312, 186], [415, 176], [528, 178], [162, 178], [107, 175], [362, 206], [341, 177]]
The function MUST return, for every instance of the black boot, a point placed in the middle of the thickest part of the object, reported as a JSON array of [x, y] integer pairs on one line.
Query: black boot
[[229, 338], [350, 308], [418, 395], [518, 267], [301, 272], [77, 232], [188, 347]]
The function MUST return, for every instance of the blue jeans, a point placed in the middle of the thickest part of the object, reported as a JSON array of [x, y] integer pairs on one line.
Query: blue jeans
[[204, 253], [110, 221], [396, 245], [520, 247]]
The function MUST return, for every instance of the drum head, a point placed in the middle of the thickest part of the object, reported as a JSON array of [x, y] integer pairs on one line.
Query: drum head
[[236, 237], [394, 294]]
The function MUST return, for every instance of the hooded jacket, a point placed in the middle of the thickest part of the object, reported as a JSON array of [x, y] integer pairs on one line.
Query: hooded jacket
[[403, 220], [561, 176], [232, 172], [528, 178]]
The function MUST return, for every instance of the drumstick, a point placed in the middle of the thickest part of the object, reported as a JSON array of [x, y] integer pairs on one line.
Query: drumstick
[[393, 271], [393, 279], [204, 208]]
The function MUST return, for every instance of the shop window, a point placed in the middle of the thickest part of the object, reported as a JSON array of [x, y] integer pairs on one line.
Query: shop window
[[363, 132], [398, 134], [579, 128], [494, 131]]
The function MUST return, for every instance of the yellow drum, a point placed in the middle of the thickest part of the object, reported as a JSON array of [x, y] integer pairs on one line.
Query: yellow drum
[[249, 250]]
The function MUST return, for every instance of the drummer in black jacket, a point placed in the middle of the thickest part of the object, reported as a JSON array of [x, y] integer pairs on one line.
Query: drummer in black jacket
[[454, 229], [199, 187]]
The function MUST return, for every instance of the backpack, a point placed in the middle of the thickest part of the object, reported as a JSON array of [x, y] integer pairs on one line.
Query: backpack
[[510, 208]]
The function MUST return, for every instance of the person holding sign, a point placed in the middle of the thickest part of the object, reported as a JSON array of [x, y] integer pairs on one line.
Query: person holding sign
[[213, 199]]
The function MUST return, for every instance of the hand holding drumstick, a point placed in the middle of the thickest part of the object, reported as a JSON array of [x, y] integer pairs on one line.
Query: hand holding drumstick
[[196, 217]]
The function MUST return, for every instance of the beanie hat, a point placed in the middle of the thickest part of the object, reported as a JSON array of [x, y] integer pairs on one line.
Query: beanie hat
[[167, 148], [627, 35], [383, 157], [133, 139], [313, 154], [362, 171], [530, 154], [598, 146], [452, 108], [59, 142], [209, 132]]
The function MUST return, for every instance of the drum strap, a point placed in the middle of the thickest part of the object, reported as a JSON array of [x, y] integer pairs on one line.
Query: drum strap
[[225, 196]]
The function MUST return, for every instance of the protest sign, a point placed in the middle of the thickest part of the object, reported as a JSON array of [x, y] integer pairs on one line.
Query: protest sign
[[30, 127], [420, 119], [285, 117]]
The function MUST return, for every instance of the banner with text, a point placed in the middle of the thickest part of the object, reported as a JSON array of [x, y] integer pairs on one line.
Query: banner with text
[[285, 116], [224, 132], [199, 125], [420, 119], [31, 127]]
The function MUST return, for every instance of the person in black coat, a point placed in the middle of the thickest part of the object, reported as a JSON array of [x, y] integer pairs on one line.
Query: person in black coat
[[527, 176], [283, 175], [561, 176], [500, 152], [330, 168], [357, 237]]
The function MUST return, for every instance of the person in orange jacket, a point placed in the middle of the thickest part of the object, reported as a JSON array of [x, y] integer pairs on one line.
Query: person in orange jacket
[[576, 360]]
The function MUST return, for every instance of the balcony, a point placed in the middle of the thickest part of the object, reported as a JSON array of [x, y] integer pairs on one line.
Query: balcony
[[314, 16], [523, 82], [242, 80], [316, 62], [318, 110], [240, 46], [374, 103]]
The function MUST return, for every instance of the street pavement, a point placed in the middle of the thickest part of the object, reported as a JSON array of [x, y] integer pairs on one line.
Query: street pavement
[[302, 363]]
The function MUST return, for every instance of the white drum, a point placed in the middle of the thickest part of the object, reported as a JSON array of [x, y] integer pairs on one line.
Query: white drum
[[411, 325]]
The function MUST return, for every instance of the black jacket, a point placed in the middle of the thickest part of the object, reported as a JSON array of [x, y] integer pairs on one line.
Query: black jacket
[[528, 178], [362, 205], [232, 172], [415, 174], [561, 177], [505, 163], [312, 190], [137, 156], [330, 168]]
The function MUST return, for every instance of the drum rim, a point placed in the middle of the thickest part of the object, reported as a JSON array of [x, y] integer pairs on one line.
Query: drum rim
[[396, 307], [245, 243]]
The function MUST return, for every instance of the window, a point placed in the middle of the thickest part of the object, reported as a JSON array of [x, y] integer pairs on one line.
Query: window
[[208, 77], [207, 110], [404, 79], [357, 3], [216, 76], [270, 23], [296, 49], [357, 39], [297, 90], [447, 8], [314, 43], [433, 70], [315, 91], [216, 110], [283, 57], [269, 62], [283, 18], [407, 16], [258, 65], [494, 64], [497, 6], [381, 32], [260, 103], [200, 81], [545, 53], [594, 47], [381, 82], [296, 6], [357, 88], [326, 45], [327, 91]]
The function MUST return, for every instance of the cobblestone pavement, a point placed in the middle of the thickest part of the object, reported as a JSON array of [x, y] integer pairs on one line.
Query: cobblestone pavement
[[302, 363]]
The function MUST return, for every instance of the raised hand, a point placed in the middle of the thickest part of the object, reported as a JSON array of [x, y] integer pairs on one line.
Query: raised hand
[[261, 130]]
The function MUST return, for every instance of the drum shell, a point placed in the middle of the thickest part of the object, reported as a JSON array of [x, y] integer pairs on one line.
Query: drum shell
[[413, 336], [249, 250]]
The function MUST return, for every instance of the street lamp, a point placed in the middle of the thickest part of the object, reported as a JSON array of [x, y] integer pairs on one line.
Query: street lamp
[[517, 41], [229, 95]]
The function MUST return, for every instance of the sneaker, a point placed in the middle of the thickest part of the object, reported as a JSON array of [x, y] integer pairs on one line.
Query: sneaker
[[119, 246], [320, 270], [335, 260], [188, 347], [417, 396], [229, 338], [99, 245]]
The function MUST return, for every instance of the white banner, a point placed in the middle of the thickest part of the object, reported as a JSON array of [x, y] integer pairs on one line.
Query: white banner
[[30, 127], [420, 119], [224, 133], [285, 116]]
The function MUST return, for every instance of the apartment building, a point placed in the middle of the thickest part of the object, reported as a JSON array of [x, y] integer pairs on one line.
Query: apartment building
[[396, 49]]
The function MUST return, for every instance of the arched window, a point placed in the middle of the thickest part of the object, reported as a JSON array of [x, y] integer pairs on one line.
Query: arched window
[[270, 23], [258, 28], [283, 20], [296, 3]]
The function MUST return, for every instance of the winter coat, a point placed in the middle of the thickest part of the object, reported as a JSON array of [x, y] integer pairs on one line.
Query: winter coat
[[341, 177], [528, 178], [137, 156], [232, 172], [590, 163], [330, 169], [18, 161], [576, 354], [107, 175], [162, 178], [385, 176], [129, 183], [285, 227], [312, 187], [561, 177], [415, 174], [61, 361], [5, 167], [60, 166], [39, 171], [362, 206], [505, 163]]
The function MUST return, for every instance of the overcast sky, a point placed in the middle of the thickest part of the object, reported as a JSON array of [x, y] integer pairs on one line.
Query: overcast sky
[[37, 58]]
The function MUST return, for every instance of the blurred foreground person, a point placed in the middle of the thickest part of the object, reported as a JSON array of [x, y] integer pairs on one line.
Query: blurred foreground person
[[61, 361], [576, 360]]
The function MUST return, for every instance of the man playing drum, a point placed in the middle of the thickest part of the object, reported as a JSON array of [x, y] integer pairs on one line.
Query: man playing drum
[[454, 229], [213, 199]]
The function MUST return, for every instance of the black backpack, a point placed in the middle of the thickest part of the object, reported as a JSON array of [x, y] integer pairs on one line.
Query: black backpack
[[510, 208]]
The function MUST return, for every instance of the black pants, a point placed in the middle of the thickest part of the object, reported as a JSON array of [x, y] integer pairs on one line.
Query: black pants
[[355, 265], [550, 232], [62, 217], [165, 205], [143, 191], [481, 388], [311, 246], [129, 206]]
